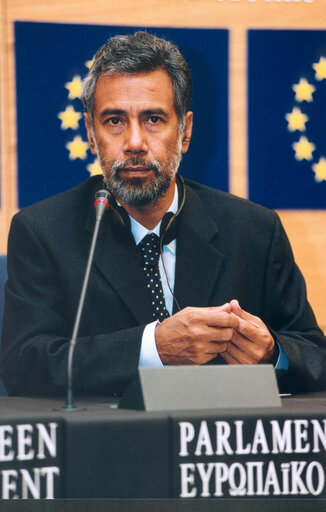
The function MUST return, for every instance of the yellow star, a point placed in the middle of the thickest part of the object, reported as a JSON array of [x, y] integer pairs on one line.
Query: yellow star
[[320, 68], [303, 149], [320, 169], [74, 87], [89, 63], [297, 120], [77, 148], [94, 168], [69, 118], [303, 90]]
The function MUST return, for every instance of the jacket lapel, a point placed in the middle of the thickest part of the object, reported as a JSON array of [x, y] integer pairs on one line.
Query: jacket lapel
[[198, 260], [117, 259]]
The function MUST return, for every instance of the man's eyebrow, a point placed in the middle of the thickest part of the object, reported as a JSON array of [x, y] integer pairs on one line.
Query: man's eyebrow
[[155, 111], [121, 112], [112, 111]]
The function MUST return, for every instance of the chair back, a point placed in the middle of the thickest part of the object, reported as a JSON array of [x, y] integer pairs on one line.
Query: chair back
[[3, 279]]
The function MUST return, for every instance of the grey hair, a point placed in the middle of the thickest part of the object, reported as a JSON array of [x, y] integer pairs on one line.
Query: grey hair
[[136, 53]]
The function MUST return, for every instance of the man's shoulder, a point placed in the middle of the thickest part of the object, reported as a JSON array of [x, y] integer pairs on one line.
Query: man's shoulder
[[220, 203], [71, 200]]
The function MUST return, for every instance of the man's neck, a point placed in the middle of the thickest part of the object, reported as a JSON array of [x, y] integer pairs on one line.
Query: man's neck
[[149, 215]]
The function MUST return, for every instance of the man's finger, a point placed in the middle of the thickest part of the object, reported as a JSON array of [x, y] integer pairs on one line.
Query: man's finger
[[237, 310], [229, 358], [250, 330]]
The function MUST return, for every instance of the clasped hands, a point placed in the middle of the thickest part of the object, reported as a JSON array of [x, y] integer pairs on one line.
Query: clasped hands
[[194, 336]]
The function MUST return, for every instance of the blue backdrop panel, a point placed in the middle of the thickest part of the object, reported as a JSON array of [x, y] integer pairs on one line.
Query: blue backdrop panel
[[50, 55], [287, 118]]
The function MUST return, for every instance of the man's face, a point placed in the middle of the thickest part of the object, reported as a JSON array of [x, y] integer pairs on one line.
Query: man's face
[[136, 135]]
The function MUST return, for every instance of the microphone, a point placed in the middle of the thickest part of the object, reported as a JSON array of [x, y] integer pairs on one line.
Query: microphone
[[101, 205]]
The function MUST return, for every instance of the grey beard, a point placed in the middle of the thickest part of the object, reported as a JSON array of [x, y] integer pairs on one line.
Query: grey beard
[[134, 191]]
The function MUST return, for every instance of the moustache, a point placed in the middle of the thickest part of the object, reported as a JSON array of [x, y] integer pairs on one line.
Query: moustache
[[137, 161]]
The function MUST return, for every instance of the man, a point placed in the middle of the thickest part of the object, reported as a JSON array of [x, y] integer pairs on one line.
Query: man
[[230, 284]]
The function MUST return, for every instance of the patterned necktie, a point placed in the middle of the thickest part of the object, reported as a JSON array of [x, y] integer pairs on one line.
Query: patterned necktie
[[149, 249]]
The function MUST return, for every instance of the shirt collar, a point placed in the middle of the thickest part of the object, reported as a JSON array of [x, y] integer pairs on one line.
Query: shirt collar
[[139, 231]]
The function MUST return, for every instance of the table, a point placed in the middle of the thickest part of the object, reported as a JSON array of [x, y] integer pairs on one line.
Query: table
[[99, 451]]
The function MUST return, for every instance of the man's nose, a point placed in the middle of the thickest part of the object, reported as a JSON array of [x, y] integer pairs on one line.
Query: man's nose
[[136, 140]]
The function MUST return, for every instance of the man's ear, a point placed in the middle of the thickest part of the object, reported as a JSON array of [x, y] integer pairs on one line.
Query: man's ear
[[89, 134], [187, 132]]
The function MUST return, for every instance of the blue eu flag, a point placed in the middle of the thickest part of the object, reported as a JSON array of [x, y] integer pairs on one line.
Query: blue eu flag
[[287, 118]]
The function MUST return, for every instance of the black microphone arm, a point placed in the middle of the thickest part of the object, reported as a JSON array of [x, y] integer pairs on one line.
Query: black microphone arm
[[101, 205]]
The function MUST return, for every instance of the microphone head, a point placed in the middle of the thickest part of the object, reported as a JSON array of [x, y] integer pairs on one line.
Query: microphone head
[[101, 203]]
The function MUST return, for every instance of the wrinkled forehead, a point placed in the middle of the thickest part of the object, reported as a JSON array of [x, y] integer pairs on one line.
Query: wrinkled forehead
[[134, 89]]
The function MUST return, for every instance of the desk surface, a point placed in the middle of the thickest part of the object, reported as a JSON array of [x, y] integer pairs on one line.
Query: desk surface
[[106, 452], [107, 408]]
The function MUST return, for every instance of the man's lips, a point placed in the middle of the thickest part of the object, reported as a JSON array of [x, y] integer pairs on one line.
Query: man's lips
[[136, 171]]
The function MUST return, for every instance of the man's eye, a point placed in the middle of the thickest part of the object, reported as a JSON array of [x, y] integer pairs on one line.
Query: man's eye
[[114, 120], [154, 119]]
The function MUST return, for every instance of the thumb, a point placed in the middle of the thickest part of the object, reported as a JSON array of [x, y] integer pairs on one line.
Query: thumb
[[235, 308], [225, 307], [241, 313]]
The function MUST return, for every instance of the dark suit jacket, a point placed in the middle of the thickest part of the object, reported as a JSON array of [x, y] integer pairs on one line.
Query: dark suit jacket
[[226, 248]]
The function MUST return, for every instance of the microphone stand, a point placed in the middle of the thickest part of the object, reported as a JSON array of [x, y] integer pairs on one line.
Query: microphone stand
[[101, 204]]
